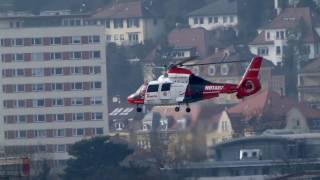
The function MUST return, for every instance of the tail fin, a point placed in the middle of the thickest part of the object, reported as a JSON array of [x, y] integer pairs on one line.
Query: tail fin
[[250, 83]]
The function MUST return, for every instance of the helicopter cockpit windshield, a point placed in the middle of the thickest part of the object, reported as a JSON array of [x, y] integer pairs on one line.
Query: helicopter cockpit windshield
[[141, 90]]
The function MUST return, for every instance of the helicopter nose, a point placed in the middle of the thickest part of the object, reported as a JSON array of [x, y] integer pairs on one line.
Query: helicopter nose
[[132, 99]]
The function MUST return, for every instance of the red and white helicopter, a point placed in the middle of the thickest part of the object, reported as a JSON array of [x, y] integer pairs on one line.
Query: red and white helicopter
[[180, 86]]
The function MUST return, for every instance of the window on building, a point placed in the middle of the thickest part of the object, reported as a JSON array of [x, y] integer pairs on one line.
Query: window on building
[[37, 87], [76, 55], [37, 72], [116, 37], [195, 20], [278, 50], [231, 19], [57, 71], [305, 50], [210, 20], [263, 51], [22, 119], [76, 86], [76, 70], [55, 40], [78, 116], [118, 23], [20, 72], [61, 148], [201, 20], [96, 54], [107, 23], [21, 103], [108, 37], [59, 117], [38, 102], [97, 116], [95, 70], [57, 86], [41, 133], [132, 22], [224, 19], [76, 39], [216, 19], [96, 100], [37, 56], [93, 39], [19, 42], [133, 37], [96, 85], [20, 88], [22, 134], [99, 131], [19, 57], [56, 56], [36, 41], [77, 101], [40, 118], [80, 132], [121, 37], [268, 36], [57, 102], [61, 132]]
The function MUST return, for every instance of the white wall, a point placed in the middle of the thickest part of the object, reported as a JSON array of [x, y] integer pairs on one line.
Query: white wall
[[213, 25]]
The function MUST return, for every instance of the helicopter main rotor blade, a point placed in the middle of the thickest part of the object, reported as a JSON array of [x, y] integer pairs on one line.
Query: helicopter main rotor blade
[[202, 64], [184, 61]]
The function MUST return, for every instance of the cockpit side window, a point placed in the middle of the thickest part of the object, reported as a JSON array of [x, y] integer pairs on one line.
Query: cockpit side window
[[153, 88], [165, 87]]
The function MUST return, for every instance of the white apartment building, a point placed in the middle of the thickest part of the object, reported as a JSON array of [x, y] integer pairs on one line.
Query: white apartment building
[[272, 38], [54, 89], [219, 14]]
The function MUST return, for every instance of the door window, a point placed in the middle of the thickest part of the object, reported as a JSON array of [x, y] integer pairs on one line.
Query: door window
[[165, 87], [153, 88]]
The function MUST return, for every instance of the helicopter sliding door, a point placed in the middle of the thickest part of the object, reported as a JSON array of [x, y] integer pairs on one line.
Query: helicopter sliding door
[[152, 94], [165, 94]]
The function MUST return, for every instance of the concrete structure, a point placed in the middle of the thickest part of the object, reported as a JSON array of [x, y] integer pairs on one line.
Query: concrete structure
[[54, 89], [219, 14], [259, 157], [272, 38]]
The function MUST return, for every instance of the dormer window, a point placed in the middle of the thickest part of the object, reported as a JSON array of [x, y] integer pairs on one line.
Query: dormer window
[[268, 36]]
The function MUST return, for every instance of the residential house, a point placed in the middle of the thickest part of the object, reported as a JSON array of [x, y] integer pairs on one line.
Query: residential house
[[272, 38], [270, 110], [181, 133], [309, 83], [128, 23], [223, 126], [219, 14]]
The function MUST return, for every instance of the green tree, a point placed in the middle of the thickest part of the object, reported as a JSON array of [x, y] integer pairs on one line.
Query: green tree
[[94, 155], [294, 54]]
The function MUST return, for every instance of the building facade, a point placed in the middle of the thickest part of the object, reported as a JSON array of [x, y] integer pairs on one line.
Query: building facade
[[272, 39], [219, 14], [128, 23], [54, 89]]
